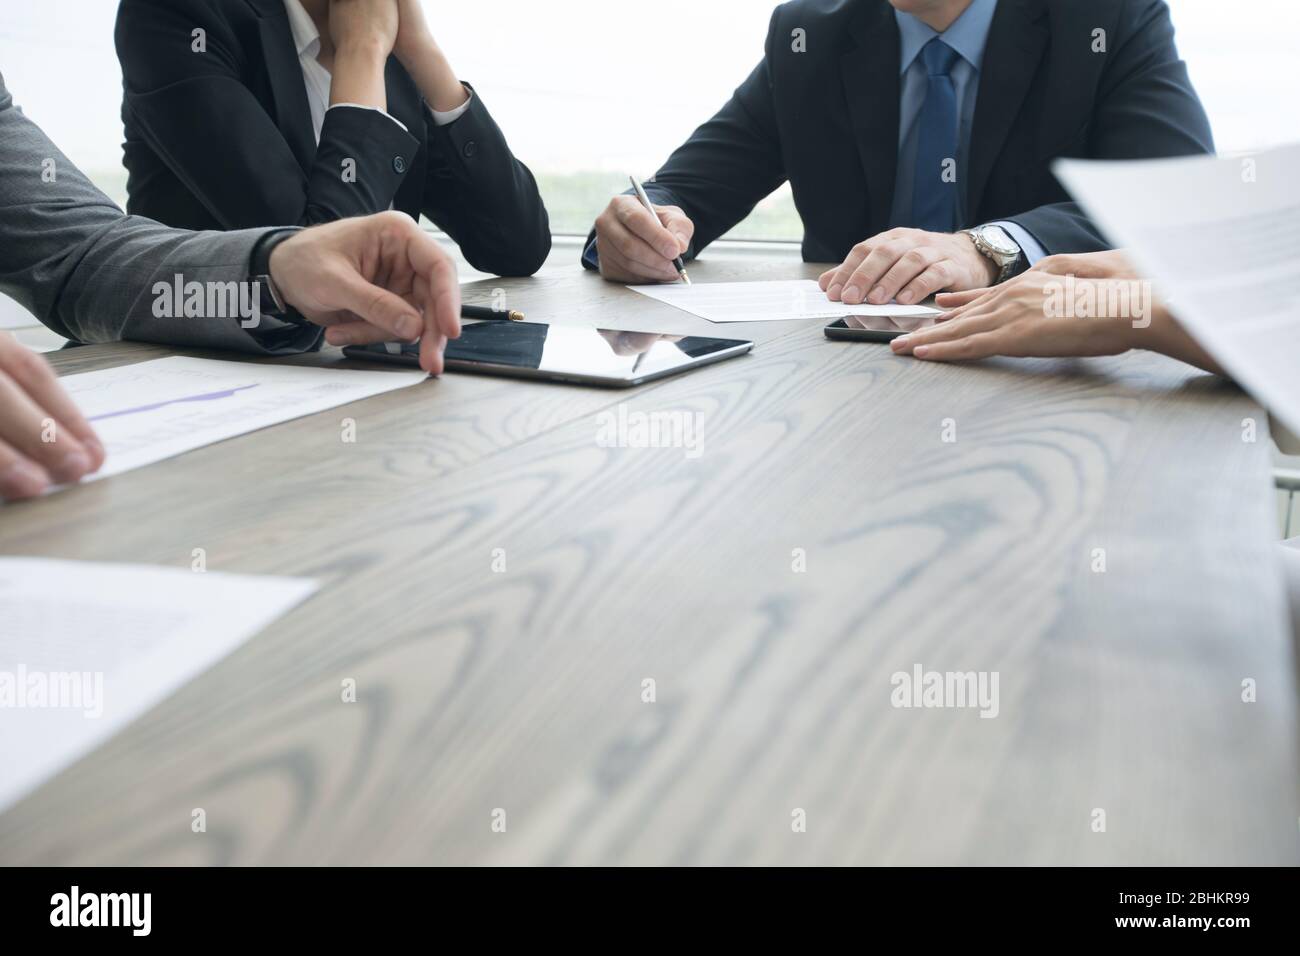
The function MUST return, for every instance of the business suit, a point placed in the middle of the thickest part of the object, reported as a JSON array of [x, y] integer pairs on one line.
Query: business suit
[[822, 111], [70, 256], [223, 139]]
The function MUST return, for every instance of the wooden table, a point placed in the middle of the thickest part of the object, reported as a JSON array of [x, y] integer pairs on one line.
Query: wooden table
[[826, 538]]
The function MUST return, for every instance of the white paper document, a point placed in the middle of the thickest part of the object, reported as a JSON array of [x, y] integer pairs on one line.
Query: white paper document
[[1220, 238], [85, 648], [767, 301], [153, 410]]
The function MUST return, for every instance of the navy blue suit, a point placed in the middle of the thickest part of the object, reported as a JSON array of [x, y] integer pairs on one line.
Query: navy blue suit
[[827, 120]]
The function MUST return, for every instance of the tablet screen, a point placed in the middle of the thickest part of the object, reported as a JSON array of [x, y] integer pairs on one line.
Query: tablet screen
[[567, 350]]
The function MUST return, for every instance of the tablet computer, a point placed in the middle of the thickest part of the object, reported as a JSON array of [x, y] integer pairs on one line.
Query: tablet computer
[[565, 353]]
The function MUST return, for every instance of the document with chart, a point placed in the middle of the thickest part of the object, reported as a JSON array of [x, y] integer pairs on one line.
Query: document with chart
[[1220, 238], [767, 301], [86, 647], [153, 410]]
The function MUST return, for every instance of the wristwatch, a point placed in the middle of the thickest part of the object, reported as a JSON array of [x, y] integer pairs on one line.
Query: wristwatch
[[272, 302], [993, 243]]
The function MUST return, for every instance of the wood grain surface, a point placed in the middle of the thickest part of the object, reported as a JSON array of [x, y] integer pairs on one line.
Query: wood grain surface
[[826, 537]]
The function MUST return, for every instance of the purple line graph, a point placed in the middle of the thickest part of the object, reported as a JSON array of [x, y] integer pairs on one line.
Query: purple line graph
[[204, 397]]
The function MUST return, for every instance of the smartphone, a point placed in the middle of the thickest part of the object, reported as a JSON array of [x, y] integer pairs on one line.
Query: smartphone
[[876, 328]]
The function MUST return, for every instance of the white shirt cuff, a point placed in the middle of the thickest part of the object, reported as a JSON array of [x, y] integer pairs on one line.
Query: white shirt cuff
[[359, 106], [447, 117]]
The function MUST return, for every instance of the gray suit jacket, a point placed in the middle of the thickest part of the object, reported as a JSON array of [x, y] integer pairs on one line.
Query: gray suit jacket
[[87, 270]]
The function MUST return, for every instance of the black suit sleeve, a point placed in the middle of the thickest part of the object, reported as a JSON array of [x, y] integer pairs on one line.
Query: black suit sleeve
[[483, 197], [727, 165], [1146, 108], [195, 112]]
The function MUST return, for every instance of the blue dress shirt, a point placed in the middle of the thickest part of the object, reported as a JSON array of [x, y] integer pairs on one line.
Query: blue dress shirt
[[968, 35]]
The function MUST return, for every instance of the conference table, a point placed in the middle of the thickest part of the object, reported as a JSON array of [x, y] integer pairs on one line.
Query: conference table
[[570, 652]]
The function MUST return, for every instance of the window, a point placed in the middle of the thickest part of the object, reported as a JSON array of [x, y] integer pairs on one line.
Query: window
[[588, 91]]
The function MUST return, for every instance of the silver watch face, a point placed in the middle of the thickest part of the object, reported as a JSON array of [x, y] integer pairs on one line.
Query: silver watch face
[[996, 238]]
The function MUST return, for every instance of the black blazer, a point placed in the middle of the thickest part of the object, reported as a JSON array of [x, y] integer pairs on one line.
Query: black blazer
[[827, 120], [223, 139]]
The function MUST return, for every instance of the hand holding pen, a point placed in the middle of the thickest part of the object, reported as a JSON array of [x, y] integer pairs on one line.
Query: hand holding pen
[[636, 245], [678, 264]]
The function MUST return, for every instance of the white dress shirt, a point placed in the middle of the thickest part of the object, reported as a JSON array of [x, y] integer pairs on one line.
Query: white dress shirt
[[317, 79]]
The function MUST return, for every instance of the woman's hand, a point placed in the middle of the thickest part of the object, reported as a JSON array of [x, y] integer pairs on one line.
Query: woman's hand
[[1085, 265], [1022, 317], [1111, 264], [416, 50], [371, 25], [363, 33], [1038, 314], [414, 38]]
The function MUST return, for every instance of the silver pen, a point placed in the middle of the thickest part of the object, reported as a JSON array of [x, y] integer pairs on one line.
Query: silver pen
[[645, 201]]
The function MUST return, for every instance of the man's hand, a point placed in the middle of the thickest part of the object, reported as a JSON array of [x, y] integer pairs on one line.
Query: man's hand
[[635, 246], [907, 265], [372, 279], [44, 439]]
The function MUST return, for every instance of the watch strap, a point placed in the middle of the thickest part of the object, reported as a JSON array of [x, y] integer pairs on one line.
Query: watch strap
[[272, 302]]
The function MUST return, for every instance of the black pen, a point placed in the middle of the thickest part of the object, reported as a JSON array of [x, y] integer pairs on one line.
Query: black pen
[[678, 264], [483, 312]]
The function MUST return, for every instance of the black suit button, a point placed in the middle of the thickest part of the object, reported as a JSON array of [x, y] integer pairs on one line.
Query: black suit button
[[399, 165], [470, 149]]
